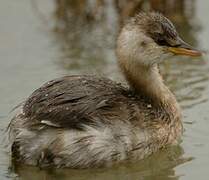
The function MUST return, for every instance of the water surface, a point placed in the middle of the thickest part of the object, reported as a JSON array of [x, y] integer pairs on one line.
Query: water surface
[[37, 45]]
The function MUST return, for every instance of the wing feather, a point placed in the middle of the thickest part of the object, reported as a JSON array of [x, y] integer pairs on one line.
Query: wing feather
[[74, 101]]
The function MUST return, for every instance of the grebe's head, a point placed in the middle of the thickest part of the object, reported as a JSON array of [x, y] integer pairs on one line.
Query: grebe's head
[[148, 38]]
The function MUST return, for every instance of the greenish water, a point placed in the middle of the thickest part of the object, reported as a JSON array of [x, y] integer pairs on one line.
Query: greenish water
[[31, 54]]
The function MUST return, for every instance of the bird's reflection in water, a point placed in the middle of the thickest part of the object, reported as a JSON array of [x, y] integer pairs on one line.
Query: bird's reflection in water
[[158, 166]]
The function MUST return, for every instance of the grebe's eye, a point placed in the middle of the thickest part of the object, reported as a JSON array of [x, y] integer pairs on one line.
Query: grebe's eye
[[160, 39]]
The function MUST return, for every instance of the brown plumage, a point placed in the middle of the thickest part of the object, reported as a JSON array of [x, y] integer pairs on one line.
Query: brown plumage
[[87, 121], [74, 101]]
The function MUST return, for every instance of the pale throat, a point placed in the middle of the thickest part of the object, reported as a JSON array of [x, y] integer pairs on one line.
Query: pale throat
[[148, 82], [137, 57]]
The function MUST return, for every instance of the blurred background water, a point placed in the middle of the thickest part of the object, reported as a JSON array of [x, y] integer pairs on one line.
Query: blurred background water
[[41, 40]]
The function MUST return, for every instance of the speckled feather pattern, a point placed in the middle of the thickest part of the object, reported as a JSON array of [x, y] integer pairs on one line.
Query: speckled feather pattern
[[154, 24], [84, 121]]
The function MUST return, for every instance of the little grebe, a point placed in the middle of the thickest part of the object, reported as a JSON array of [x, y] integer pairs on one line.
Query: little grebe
[[86, 121]]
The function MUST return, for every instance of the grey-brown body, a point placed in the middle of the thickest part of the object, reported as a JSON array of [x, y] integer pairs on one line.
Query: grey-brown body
[[84, 121], [88, 121]]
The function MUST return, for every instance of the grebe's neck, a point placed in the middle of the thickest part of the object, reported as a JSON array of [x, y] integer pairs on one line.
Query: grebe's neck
[[138, 56], [149, 83]]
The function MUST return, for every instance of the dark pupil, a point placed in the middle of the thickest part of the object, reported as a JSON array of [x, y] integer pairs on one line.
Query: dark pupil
[[160, 40]]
